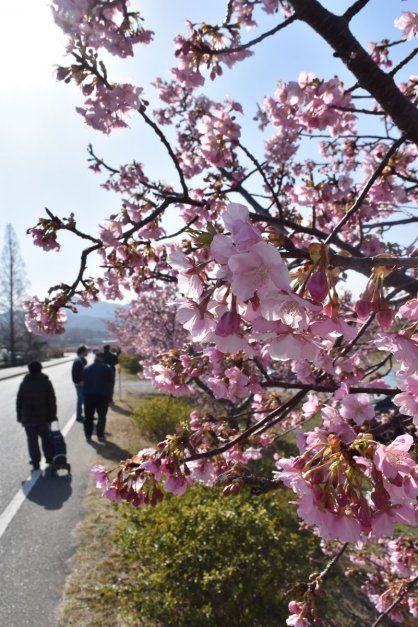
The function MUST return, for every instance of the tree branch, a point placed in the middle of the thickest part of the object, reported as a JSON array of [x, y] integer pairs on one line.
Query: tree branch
[[335, 31], [404, 592], [354, 9], [167, 145], [211, 52], [366, 188]]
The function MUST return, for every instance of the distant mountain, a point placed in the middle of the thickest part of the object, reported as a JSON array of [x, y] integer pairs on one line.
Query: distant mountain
[[103, 310], [89, 325]]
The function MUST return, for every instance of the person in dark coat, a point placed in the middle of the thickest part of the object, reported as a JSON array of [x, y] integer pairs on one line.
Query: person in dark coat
[[36, 408], [79, 363], [112, 360], [98, 382]]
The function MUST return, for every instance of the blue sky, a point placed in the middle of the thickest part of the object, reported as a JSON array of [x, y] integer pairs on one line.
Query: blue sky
[[43, 140]]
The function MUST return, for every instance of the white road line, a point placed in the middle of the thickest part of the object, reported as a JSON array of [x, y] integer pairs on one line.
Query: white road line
[[13, 507]]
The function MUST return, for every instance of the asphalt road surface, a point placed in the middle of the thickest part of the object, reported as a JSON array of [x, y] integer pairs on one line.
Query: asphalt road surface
[[36, 529]]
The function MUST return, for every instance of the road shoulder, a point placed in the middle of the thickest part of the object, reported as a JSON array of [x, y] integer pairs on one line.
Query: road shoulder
[[97, 564]]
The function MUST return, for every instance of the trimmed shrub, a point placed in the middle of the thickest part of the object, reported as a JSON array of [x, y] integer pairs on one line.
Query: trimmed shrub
[[158, 416], [130, 363], [208, 560]]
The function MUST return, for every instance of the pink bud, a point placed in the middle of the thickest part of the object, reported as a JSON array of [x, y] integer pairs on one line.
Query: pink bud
[[380, 496], [317, 285], [228, 324], [363, 308], [362, 512], [384, 317], [341, 497]]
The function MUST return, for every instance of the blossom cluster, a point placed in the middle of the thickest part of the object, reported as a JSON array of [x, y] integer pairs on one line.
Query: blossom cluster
[[387, 576], [350, 487], [263, 327], [108, 25]]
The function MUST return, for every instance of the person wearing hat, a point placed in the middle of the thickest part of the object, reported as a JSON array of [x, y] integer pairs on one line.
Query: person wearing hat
[[36, 408]]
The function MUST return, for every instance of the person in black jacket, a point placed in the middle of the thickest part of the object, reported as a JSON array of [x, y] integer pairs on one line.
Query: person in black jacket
[[98, 382], [79, 363], [111, 359], [36, 408]]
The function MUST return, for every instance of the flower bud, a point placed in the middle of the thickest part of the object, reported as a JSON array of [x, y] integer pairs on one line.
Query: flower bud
[[317, 285], [228, 324], [363, 307]]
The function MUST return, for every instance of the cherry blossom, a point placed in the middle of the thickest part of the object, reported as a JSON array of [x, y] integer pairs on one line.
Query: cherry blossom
[[258, 326]]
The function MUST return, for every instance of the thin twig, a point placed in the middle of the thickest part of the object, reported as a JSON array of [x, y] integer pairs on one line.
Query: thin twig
[[228, 14], [249, 44], [404, 62], [366, 188], [168, 147], [264, 177], [404, 592], [332, 563]]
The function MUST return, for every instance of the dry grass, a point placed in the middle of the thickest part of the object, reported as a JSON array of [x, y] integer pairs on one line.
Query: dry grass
[[89, 598]]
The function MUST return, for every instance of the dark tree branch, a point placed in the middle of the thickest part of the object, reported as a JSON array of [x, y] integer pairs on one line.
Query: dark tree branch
[[215, 52], [354, 9], [277, 383], [404, 62]]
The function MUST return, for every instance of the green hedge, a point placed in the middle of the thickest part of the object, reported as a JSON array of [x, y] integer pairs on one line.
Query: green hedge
[[130, 363], [159, 416], [207, 560]]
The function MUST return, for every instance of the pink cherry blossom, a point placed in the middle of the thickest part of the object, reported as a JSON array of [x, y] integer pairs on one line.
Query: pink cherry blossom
[[260, 270], [101, 476], [403, 348], [293, 346], [196, 319], [177, 484], [394, 458], [357, 407], [408, 23], [407, 401], [44, 318], [190, 279], [409, 310]]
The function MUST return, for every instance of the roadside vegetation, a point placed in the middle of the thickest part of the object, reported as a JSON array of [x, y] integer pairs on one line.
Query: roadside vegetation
[[200, 560]]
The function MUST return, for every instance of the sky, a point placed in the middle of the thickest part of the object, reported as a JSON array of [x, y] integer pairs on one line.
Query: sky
[[43, 157]]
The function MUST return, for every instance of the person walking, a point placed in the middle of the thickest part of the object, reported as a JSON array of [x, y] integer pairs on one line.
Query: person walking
[[98, 381], [36, 408], [112, 360], [79, 363]]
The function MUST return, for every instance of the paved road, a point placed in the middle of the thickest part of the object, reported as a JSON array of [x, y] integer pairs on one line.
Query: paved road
[[38, 543]]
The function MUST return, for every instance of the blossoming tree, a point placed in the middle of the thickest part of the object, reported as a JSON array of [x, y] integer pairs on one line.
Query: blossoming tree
[[149, 327], [266, 232]]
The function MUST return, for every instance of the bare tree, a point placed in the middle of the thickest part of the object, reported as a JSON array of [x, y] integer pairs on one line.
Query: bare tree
[[13, 286]]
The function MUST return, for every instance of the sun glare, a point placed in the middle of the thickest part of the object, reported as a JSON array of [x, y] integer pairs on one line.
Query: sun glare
[[30, 43]]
